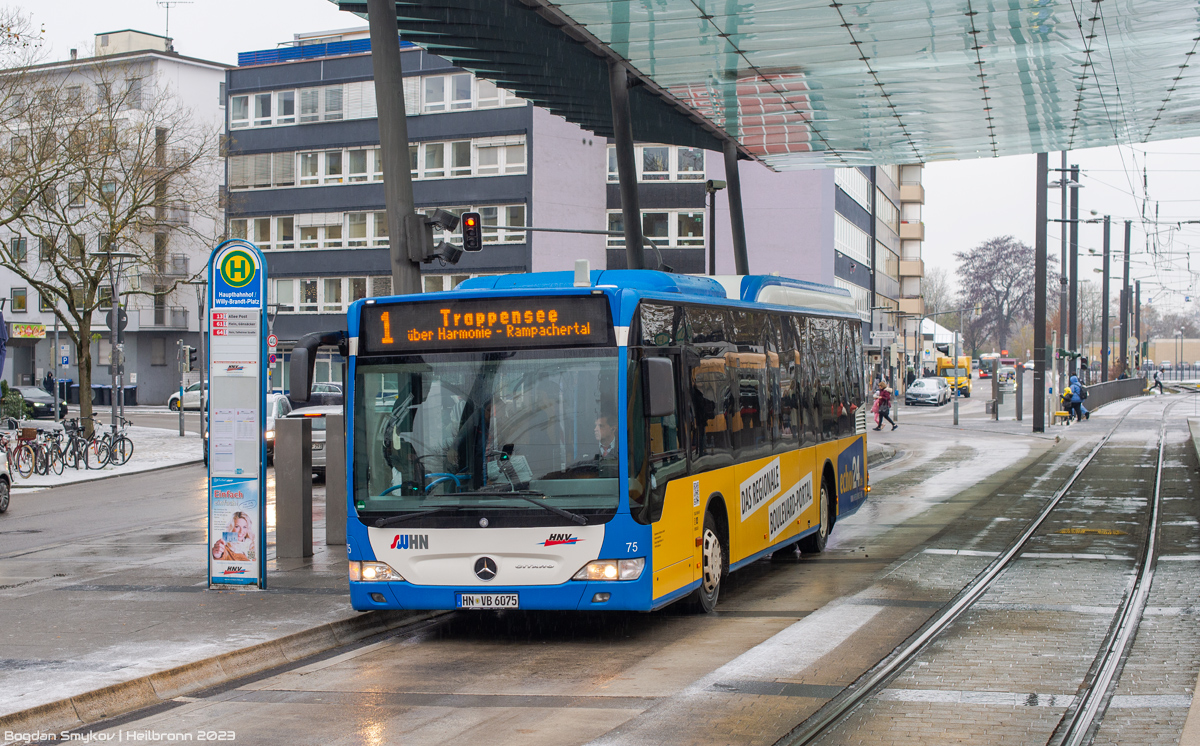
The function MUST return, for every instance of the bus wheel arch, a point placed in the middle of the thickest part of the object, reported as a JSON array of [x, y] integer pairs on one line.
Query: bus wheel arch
[[815, 542], [714, 556]]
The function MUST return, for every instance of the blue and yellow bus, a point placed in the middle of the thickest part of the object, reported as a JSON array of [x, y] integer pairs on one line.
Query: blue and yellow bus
[[622, 441]]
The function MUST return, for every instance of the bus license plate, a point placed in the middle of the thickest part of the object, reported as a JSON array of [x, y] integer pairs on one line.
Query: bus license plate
[[487, 600]]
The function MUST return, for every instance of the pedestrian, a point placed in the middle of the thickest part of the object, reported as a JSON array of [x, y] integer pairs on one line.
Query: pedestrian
[[912, 376], [883, 404], [1076, 399], [1158, 381], [48, 382]]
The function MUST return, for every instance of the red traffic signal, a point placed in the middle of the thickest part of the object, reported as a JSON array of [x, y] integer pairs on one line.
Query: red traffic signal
[[472, 232]]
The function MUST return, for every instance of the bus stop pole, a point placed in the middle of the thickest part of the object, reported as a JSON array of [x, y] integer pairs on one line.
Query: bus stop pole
[[737, 222], [631, 212], [1039, 297], [393, 141]]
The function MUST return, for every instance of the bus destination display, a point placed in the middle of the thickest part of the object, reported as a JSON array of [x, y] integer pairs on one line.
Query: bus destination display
[[485, 323]]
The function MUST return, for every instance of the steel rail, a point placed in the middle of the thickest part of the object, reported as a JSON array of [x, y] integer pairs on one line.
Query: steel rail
[[843, 704], [1082, 723]]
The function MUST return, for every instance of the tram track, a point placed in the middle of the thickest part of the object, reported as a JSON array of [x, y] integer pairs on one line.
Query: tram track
[[1082, 718]]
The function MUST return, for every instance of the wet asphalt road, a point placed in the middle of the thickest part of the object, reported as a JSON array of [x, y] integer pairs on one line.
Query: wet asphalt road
[[788, 634]]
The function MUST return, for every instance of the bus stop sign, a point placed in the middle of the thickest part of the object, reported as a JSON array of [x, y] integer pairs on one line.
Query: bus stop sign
[[237, 535]]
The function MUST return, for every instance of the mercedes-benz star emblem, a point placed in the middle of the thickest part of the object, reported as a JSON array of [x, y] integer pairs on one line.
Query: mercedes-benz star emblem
[[485, 568], [483, 523]]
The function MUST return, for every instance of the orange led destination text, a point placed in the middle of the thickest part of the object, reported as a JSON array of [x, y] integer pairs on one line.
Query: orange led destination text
[[511, 324]]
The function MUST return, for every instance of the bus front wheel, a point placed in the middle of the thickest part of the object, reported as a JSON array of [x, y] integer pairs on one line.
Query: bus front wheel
[[712, 567], [815, 542]]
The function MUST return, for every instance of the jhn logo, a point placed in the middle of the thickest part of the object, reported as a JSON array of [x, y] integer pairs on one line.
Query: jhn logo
[[411, 541]]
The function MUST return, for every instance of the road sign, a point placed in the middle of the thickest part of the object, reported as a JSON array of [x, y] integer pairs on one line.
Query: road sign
[[272, 340], [122, 319], [273, 358], [237, 536], [880, 336]]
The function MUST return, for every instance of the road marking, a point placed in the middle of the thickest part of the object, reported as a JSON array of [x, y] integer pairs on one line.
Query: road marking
[[1179, 558], [963, 552], [1069, 608], [1075, 556], [956, 696]]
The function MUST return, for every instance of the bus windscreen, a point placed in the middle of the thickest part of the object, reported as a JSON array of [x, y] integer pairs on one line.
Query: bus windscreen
[[484, 323]]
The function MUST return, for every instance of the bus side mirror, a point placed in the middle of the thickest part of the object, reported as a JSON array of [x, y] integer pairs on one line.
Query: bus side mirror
[[300, 375], [304, 361], [658, 382]]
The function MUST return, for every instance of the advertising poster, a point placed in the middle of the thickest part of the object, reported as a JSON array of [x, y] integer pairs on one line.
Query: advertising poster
[[237, 392], [233, 515]]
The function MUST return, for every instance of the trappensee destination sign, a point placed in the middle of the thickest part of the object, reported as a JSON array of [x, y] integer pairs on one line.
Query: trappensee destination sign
[[485, 323]]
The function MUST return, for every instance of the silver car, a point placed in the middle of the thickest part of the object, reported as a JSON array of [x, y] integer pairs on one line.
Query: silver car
[[317, 414]]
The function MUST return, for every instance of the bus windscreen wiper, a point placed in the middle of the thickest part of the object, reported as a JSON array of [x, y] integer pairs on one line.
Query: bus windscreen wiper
[[529, 496], [396, 520]]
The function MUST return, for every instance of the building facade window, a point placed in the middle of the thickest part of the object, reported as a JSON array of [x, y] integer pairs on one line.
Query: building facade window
[[662, 163], [19, 248], [45, 302], [19, 302], [855, 184], [158, 351], [432, 94], [886, 211], [851, 240], [676, 229]]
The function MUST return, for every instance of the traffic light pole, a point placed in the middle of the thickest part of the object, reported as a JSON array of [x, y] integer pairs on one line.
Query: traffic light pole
[[179, 365]]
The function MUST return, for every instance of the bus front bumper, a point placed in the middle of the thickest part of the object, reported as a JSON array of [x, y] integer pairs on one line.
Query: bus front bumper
[[575, 595]]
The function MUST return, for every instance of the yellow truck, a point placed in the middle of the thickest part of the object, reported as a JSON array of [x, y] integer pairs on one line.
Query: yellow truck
[[956, 377]]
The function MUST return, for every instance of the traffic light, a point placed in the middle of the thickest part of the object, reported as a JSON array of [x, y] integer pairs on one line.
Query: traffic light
[[944, 349], [1083, 364], [187, 359], [418, 232], [472, 232]]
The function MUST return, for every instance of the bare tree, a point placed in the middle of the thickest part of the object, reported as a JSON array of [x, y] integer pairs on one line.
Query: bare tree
[[936, 290], [998, 275], [101, 158]]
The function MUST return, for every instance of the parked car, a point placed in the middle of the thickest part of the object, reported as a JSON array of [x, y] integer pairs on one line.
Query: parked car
[[323, 394], [1165, 365], [191, 398], [277, 406], [317, 414], [933, 391], [42, 402], [1028, 365]]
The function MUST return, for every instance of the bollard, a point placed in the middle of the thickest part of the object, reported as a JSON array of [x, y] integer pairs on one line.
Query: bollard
[[335, 479], [293, 487], [1021, 390]]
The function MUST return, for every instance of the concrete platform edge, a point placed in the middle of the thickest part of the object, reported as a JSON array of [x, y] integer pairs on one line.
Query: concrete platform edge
[[1191, 726], [18, 486], [162, 686]]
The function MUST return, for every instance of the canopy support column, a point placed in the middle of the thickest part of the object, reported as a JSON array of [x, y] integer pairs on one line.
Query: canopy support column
[[393, 141], [1039, 296], [737, 221], [631, 213]]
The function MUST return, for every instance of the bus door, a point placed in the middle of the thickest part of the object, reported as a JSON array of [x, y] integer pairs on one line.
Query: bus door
[[668, 496]]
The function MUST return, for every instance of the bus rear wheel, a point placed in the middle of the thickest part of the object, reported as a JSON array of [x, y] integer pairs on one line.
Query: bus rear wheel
[[712, 568], [815, 542]]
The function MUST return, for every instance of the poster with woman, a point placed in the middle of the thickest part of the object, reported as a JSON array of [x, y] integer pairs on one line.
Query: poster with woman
[[233, 532]]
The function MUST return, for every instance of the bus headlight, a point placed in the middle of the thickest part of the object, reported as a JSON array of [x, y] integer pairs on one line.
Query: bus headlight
[[626, 569], [373, 571]]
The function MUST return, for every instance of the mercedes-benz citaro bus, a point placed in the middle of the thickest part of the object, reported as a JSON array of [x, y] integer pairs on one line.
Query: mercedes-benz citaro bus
[[618, 442]]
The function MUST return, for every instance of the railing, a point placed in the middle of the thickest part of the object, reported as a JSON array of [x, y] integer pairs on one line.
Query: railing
[[1105, 393], [163, 317]]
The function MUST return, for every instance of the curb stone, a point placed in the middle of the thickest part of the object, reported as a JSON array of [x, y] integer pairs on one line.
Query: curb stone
[[18, 486], [157, 688]]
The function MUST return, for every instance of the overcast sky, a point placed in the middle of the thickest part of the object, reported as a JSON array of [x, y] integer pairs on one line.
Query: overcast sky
[[966, 202]]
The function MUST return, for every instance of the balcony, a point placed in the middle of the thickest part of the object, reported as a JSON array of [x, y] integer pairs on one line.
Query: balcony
[[163, 317], [912, 193], [914, 306], [912, 230], [170, 268], [912, 268]]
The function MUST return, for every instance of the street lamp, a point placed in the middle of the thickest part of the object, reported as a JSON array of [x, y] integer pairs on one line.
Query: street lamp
[[711, 187], [116, 356]]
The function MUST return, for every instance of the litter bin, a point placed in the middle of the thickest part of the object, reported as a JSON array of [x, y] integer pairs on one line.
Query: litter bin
[[101, 395], [130, 396], [73, 393], [64, 387]]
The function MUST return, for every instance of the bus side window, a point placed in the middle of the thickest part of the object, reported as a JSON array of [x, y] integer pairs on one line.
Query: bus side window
[[806, 386], [656, 449], [822, 352], [789, 400], [709, 392]]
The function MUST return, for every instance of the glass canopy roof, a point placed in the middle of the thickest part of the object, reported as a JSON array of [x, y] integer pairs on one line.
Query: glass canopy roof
[[816, 83]]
